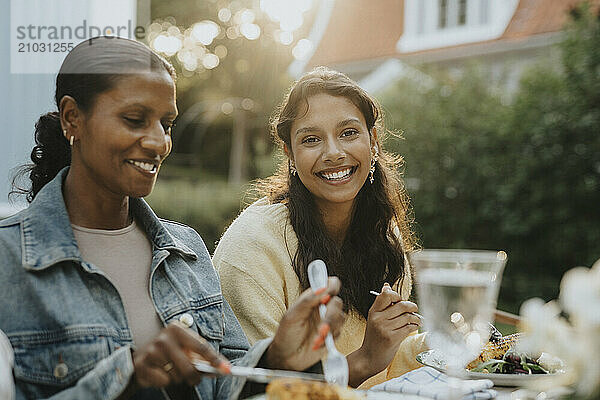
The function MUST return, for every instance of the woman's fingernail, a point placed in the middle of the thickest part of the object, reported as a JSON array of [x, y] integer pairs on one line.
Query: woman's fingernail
[[325, 299], [324, 330], [225, 367], [320, 290], [386, 284]]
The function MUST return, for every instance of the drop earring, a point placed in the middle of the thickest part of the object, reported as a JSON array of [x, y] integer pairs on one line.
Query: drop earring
[[71, 139], [293, 169], [374, 159]]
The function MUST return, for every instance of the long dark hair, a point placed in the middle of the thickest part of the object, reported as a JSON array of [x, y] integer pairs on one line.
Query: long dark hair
[[372, 252], [91, 68]]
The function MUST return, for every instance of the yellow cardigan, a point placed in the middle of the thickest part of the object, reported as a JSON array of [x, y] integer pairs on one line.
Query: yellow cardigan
[[254, 261]]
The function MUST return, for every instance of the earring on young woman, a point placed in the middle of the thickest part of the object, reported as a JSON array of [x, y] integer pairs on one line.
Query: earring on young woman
[[374, 159], [293, 169]]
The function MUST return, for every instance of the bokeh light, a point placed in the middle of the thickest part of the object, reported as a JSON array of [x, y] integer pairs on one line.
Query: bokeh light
[[247, 104], [210, 61], [250, 31], [173, 31], [224, 14], [286, 12], [191, 64], [226, 108], [221, 51], [193, 46], [302, 49], [155, 27], [246, 16], [286, 38], [168, 45], [206, 31], [291, 22], [233, 32]]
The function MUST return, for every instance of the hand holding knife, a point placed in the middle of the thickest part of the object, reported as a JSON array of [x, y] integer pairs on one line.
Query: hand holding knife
[[261, 375]]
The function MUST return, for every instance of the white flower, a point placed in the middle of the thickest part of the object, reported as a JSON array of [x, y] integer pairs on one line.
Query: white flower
[[543, 326], [577, 341], [550, 362]]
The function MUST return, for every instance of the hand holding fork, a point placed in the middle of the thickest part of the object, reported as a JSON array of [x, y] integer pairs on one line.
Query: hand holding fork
[[335, 367]]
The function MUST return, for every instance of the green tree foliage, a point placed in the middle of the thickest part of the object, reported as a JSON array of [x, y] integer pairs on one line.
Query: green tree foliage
[[522, 176], [208, 207]]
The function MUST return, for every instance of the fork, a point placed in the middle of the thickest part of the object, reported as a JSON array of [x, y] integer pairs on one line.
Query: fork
[[335, 366]]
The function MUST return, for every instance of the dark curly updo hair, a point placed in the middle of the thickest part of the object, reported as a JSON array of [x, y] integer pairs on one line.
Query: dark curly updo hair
[[91, 68]]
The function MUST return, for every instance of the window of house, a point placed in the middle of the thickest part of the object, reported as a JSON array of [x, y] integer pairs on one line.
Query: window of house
[[443, 14], [433, 24], [452, 13], [462, 12]]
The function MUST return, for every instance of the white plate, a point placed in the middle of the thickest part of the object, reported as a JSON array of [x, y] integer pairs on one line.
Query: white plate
[[431, 358]]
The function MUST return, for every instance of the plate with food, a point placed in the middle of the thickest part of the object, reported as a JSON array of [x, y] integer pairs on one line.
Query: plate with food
[[298, 389], [502, 363]]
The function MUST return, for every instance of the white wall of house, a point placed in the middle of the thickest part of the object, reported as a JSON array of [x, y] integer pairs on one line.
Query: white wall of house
[[423, 30], [24, 98], [483, 20]]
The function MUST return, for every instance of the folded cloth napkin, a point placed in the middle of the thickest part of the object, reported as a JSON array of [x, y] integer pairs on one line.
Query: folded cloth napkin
[[428, 382]]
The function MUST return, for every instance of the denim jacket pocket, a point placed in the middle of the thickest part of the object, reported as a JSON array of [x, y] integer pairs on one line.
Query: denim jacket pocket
[[49, 361], [207, 316]]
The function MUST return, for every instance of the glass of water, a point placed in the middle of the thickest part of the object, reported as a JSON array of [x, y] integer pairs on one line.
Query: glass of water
[[458, 291]]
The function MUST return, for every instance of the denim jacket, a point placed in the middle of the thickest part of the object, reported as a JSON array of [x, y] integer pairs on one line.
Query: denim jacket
[[66, 321]]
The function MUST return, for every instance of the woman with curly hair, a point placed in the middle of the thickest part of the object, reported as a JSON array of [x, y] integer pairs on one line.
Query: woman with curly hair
[[337, 197]]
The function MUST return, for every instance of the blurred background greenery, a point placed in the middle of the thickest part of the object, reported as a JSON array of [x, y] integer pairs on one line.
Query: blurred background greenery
[[485, 167]]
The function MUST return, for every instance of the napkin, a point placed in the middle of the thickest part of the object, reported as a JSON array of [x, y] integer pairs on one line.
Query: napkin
[[428, 382]]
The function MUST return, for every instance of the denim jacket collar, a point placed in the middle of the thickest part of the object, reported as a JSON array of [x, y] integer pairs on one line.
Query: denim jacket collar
[[47, 237]]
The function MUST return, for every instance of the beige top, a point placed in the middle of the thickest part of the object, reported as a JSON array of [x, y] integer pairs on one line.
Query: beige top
[[125, 257], [254, 261]]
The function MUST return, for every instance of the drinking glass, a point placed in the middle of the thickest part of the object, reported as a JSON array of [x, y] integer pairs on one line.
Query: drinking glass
[[458, 291]]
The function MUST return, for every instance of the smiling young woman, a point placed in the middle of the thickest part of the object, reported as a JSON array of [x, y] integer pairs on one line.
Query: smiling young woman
[[337, 197], [331, 152], [99, 297]]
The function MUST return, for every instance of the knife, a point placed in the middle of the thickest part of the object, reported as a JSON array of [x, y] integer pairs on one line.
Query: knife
[[260, 375]]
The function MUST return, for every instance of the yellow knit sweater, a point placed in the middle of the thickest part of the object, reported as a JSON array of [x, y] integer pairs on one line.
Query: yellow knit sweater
[[254, 261]]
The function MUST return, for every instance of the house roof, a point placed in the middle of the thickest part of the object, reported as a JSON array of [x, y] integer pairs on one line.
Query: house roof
[[360, 30], [534, 17]]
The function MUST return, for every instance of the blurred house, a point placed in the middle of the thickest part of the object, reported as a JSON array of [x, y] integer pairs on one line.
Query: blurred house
[[29, 92], [377, 42]]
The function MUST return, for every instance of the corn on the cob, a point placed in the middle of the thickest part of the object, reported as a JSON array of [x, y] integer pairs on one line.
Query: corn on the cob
[[495, 350], [296, 389]]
